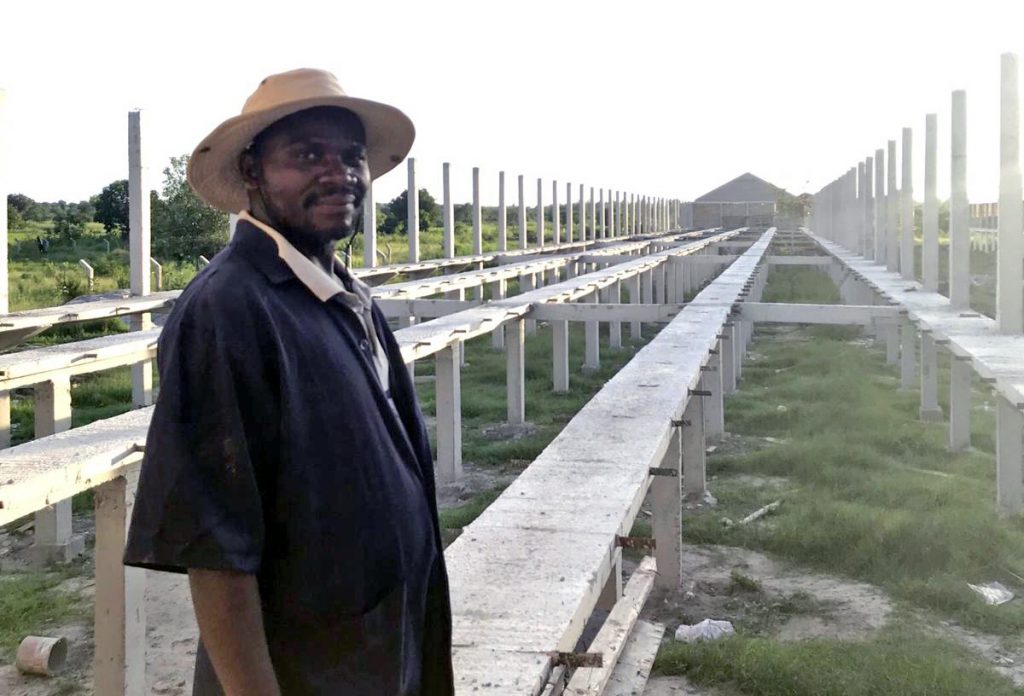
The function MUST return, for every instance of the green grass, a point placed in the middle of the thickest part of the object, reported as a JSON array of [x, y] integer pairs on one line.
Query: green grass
[[29, 602]]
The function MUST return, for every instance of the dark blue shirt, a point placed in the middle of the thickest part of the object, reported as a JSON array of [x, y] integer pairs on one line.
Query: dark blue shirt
[[273, 450]]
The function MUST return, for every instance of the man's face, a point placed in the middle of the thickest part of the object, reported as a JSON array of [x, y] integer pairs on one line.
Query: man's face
[[310, 173]]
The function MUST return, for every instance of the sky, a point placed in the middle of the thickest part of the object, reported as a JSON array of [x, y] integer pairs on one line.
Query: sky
[[657, 98]]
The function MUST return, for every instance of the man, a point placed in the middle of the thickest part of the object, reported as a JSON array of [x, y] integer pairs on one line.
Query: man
[[287, 467]]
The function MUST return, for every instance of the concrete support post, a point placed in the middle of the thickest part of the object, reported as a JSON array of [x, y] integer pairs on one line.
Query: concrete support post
[[515, 370], [369, 229], [930, 213], [869, 208], [540, 214], [667, 515], [613, 203], [930, 410], [959, 221], [891, 333], [878, 206], [139, 239], [4, 191], [560, 355], [959, 403], [478, 228], [592, 345], [583, 216], [907, 207], [603, 229], [499, 290], [568, 213], [119, 607], [412, 223], [556, 215], [728, 348], [860, 199], [1010, 254], [593, 217], [528, 283], [892, 224], [448, 388], [447, 212], [611, 593], [908, 354], [5, 419], [1009, 456], [614, 296], [634, 298], [714, 404], [502, 214], [53, 541], [523, 237], [694, 450]]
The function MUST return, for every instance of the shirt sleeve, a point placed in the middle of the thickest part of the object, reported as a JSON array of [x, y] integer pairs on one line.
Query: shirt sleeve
[[198, 503]]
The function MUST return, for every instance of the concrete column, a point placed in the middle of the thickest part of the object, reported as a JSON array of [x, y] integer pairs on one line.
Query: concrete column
[[613, 203], [502, 214], [869, 209], [523, 237], [959, 222], [412, 224], [593, 217], [139, 238], [892, 223], [499, 290], [5, 419], [879, 206], [908, 354], [615, 327], [694, 450], [907, 207], [714, 405], [603, 230], [540, 214], [515, 366], [369, 229], [634, 298], [447, 213], [592, 346], [556, 217], [560, 355], [1010, 253], [527, 283], [478, 229], [930, 410], [568, 213], [959, 403], [1009, 456], [53, 541], [930, 216], [4, 191], [728, 354], [119, 606], [583, 216], [667, 515], [892, 343], [611, 593], [448, 389]]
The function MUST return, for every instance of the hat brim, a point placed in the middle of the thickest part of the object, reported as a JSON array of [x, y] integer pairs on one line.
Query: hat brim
[[213, 170]]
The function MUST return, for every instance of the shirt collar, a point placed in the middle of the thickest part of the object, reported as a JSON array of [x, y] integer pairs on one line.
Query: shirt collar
[[322, 284]]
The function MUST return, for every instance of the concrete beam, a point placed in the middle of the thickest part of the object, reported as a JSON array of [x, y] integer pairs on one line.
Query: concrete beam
[[580, 311], [423, 309], [786, 313]]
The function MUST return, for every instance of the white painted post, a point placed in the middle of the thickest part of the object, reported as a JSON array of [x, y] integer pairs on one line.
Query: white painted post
[[667, 515], [502, 214], [907, 208], [52, 540], [478, 230], [4, 191], [568, 212], [959, 222], [1009, 455], [540, 214], [879, 206], [930, 409], [119, 607], [694, 450], [1010, 253], [90, 273], [515, 371], [139, 241], [412, 223], [449, 413], [369, 229], [959, 403], [892, 224], [560, 355], [447, 212], [556, 217], [908, 353], [930, 213], [523, 237]]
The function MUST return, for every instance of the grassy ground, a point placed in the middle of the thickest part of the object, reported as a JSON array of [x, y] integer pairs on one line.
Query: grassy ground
[[871, 493]]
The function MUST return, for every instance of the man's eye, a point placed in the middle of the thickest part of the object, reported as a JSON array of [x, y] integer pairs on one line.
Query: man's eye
[[311, 154]]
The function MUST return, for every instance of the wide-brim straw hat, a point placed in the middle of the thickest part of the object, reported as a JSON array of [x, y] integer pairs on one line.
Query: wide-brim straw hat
[[213, 169]]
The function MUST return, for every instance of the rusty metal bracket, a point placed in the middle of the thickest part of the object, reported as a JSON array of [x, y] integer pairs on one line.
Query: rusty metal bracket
[[642, 543], [680, 422], [574, 660], [663, 471], [699, 392]]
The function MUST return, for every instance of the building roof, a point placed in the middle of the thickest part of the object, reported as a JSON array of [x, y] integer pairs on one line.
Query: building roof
[[744, 188]]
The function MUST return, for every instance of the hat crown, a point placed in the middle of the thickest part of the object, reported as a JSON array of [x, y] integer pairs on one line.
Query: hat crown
[[293, 86]]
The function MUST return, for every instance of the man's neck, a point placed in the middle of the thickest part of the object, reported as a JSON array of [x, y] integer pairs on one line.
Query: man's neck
[[317, 250]]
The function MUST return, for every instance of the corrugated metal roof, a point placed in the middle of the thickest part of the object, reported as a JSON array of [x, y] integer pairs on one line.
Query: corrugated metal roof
[[744, 188]]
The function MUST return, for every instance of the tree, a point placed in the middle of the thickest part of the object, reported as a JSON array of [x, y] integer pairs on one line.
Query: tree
[[27, 208], [393, 216], [112, 206], [183, 225]]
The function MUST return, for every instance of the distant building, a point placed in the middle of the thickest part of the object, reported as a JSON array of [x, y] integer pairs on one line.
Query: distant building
[[746, 201]]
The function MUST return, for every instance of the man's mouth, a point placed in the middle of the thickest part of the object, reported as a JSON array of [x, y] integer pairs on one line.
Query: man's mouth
[[337, 199]]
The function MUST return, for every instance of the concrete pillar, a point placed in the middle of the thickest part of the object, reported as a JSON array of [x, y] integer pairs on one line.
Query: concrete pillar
[[139, 238], [1009, 457], [593, 217], [448, 390], [119, 606], [478, 229], [592, 346], [634, 298], [907, 207], [694, 450], [523, 237], [714, 404], [1010, 253], [869, 209], [930, 410], [556, 215], [908, 354], [502, 214], [412, 224], [613, 203], [892, 224], [526, 284], [583, 216], [5, 419], [53, 540], [4, 191], [667, 515], [959, 403], [499, 289], [447, 212], [611, 593], [515, 366], [560, 355], [568, 213], [614, 296], [540, 214], [728, 355], [959, 222], [369, 229], [879, 206], [602, 228], [930, 217]]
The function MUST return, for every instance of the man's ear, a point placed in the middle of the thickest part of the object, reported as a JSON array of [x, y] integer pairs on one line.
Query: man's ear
[[249, 166]]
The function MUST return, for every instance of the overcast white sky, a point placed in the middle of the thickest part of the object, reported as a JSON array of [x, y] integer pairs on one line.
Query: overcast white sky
[[662, 98]]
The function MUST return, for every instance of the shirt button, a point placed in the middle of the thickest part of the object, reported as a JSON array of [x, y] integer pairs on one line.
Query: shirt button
[[365, 345]]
